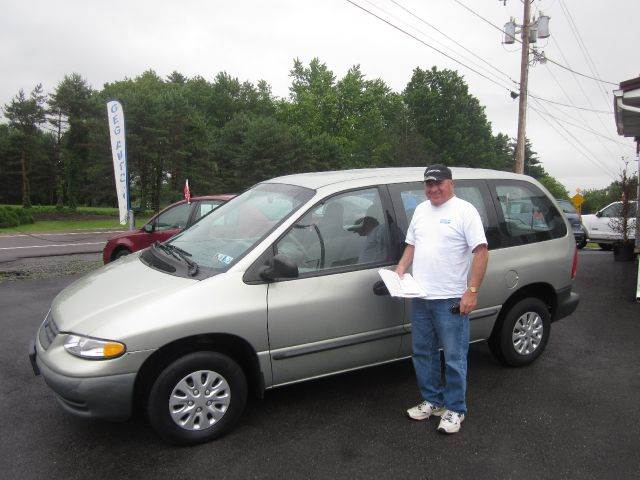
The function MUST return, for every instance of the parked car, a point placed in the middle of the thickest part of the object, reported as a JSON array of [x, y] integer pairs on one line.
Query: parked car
[[598, 225], [575, 219], [281, 285], [163, 226]]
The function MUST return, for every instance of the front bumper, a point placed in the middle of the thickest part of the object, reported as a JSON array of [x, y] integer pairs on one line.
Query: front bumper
[[109, 398]]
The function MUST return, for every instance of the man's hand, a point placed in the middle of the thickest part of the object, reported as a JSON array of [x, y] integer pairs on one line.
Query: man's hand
[[405, 261], [469, 299], [468, 302]]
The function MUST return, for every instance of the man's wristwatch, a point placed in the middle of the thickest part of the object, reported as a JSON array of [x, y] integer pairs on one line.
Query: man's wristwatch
[[472, 289]]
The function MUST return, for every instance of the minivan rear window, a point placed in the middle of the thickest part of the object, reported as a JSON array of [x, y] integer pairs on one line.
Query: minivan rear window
[[528, 214]]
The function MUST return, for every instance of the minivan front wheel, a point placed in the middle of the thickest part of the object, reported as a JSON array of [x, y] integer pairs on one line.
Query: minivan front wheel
[[197, 398], [523, 334]]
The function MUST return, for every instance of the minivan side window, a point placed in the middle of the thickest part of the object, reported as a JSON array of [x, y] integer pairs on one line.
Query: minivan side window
[[345, 230], [528, 214], [413, 194]]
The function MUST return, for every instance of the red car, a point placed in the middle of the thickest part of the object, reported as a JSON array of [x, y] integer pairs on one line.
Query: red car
[[164, 225]]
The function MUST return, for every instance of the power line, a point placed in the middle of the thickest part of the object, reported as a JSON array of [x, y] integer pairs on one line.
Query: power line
[[501, 85], [427, 45], [453, 40], [583, 46], [570, 106], [600, 167], [579, 112], [593, 132], [520, 41], [592, 159], [437, 42], [590, 63]]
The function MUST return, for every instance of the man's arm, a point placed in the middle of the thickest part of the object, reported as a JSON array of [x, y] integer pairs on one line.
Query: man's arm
[[405, 260], [478, 267]]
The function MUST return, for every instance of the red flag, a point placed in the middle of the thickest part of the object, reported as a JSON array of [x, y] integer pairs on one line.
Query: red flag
[[187, 193]]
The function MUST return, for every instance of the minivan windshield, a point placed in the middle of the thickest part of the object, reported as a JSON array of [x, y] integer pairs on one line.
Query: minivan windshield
[[223, 236]]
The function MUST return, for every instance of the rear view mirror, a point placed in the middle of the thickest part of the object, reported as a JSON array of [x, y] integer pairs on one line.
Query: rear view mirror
[[598, 214], [148, 227], [279, 266]]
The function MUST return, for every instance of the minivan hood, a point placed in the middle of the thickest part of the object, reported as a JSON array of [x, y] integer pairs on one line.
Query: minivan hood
[[111, 290]]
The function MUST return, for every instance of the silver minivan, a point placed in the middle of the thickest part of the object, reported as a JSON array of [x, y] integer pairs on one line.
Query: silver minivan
[[281, 285]]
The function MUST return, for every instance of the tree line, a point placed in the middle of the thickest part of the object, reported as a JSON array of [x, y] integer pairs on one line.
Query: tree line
[[225, 135]]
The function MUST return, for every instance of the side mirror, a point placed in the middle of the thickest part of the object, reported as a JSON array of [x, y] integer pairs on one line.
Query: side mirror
[[279, 266], [598, 214], [148, 227]]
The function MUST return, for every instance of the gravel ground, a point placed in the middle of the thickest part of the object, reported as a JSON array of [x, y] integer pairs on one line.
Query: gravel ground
[[49, 267]]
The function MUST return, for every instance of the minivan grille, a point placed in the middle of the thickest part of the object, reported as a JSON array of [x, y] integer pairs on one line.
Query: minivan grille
[[48, 331]]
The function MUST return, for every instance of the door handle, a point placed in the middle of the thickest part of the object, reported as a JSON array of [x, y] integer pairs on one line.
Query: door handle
[[379, 288]]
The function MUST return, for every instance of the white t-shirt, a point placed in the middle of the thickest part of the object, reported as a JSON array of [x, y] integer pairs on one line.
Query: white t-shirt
[[444, 238]]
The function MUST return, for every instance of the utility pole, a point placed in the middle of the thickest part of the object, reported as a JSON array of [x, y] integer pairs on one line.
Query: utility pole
[[530, 32], [524, 77]]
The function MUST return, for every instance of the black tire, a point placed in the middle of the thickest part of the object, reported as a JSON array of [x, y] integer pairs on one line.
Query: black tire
[[606, 246], [121, 253], [581, 244], [501, 341], [158, 406]]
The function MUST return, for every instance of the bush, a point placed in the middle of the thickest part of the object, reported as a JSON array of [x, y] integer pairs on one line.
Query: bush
[[14, 216]]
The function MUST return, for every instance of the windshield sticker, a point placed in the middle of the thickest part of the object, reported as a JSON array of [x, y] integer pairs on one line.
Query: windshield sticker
[[222, 258]]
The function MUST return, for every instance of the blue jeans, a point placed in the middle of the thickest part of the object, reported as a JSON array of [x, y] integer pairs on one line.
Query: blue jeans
[[434, 327]]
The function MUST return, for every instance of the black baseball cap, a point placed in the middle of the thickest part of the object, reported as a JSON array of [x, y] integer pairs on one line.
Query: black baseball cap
[[437, 173]]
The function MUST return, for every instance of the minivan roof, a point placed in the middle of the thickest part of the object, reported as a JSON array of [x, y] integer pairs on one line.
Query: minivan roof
[[317, 180]]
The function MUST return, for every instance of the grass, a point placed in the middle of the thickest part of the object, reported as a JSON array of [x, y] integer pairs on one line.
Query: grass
[[49, 219], [65, 225], [52, 209]]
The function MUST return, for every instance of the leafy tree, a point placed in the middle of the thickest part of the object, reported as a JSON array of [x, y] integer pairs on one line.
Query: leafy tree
[[224, 134], [597, 198], [74, 104], [450, 121], [554, 186], [26, 115]]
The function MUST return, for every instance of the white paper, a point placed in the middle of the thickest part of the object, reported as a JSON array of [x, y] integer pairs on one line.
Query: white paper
[[401, 287]]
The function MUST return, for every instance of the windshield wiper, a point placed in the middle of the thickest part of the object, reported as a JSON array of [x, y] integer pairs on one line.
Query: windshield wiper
[[180, 254]]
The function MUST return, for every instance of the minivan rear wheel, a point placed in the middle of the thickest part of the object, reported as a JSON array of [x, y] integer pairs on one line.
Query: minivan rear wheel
[[197, 398], [523, 333]]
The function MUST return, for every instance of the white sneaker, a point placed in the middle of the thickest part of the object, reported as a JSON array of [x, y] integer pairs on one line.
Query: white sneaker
[[424, 411], [450, 422]]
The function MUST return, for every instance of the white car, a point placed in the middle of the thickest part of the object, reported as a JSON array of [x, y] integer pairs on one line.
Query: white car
[[599, 225]]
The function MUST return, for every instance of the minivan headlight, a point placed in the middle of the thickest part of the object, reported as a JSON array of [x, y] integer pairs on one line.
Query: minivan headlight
[[93, 348]]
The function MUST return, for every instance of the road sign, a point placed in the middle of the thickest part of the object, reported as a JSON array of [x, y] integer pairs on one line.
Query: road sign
[[577, 200]]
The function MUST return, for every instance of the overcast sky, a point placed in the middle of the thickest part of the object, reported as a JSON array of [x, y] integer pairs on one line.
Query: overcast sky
[[41, 41]]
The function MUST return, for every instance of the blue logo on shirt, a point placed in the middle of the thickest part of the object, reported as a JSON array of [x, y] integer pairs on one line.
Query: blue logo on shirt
[[445, 220]]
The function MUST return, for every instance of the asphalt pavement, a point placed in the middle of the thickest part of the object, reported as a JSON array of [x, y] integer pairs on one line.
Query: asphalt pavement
[[570, 415], [33, 245]]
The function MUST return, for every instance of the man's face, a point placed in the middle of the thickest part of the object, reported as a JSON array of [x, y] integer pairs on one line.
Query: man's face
[[439, 192]]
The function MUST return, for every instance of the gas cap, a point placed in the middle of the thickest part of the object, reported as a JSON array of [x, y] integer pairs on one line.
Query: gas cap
[[511, 279]]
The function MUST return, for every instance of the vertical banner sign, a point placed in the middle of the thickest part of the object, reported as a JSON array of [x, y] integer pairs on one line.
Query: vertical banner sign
[[119, 153]]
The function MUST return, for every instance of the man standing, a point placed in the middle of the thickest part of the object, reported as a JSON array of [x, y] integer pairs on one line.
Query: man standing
[[445, 236]]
